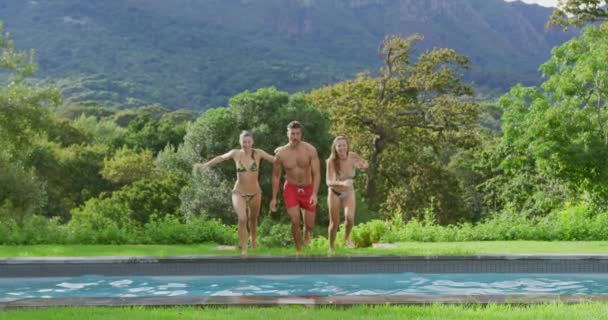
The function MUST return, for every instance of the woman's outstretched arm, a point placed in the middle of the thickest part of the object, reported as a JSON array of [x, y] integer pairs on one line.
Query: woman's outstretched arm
[[216, 160], [359, 162], [266, 156]]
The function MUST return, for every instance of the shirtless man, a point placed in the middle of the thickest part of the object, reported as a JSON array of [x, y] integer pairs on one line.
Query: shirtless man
[[302, 180]]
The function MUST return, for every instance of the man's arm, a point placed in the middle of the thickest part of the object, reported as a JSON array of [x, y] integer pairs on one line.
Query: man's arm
[[276, 180], [315, 165]]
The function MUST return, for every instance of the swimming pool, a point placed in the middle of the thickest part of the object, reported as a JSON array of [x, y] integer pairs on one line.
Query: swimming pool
[[203, 280], [305, 285]]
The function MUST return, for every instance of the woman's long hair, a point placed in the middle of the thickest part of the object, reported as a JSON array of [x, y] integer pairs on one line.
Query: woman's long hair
[[333, 157]]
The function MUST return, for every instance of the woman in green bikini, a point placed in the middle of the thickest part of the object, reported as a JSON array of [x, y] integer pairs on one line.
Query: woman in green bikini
[[246, 195], [340, 173]]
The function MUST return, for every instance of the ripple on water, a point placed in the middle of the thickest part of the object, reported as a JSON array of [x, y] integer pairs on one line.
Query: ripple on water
[[142, 289], [76, 286], [121, 283]]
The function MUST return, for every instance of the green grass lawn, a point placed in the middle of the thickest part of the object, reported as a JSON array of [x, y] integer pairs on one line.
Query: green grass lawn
[[405, 248], [439, 312]]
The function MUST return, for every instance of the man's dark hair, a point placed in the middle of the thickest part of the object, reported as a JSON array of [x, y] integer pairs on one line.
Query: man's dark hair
[[295, 125]]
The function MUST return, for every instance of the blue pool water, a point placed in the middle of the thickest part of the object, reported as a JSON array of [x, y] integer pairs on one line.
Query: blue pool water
[[303, 285]]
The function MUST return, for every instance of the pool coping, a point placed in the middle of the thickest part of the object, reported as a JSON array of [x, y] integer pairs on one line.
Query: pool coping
[[523, 299], [197, 258], [289, 265]]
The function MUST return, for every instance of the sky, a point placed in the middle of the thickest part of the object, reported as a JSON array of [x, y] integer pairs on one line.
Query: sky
[[546, 3]]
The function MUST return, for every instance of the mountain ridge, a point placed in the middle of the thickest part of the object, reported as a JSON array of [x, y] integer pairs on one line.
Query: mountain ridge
[[198, 53]]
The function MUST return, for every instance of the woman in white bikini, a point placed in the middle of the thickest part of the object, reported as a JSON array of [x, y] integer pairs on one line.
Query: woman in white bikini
[[340, 173], [246, 195]]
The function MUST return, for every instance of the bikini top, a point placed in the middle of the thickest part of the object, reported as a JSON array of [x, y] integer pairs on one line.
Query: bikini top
[[342, 178], [240, 167]]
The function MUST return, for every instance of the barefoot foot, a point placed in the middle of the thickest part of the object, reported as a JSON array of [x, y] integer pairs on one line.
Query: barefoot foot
[[349, 244]]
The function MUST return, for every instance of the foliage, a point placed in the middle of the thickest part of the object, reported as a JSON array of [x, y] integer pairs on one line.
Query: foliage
[[128, 166], [22, 193], [208, 195], [153, 196], [144, 132], [135, 203], [172, 230], [554, 145], [408, 121], [86, 229], [103, 131], [23, 119], [578, 12], [274, 234], [572, 223]]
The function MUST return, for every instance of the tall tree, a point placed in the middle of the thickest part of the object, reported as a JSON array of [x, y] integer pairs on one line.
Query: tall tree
[[578, 12], [23, 109], [23, 118], [414, 109], [555, 136]]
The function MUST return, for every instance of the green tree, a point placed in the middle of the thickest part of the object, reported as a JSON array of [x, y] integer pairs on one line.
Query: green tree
[[24, 111], [24, 117], [102, 131], [145, 132], [134, 204], [555, 137], [155, 196], [209, 195], [74, 111], [22, 193], [72, 174], [127, 166], [578, 12], [415, 113], [65, 133]]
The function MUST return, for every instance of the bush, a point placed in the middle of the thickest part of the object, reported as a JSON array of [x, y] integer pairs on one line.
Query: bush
[[97, 229], [171, 230], [133, 204], [274, 234], [32, 230], [104, 222], [155, 196], [573, 223], [364, 235]]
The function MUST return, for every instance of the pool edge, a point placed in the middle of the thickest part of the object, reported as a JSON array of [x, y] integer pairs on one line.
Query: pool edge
[[524, 299]]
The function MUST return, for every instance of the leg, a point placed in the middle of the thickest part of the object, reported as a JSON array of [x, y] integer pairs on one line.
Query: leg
[[309, 225], [240, 206], [254, 212], [294, 215], [333, 203], [349, 212]]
